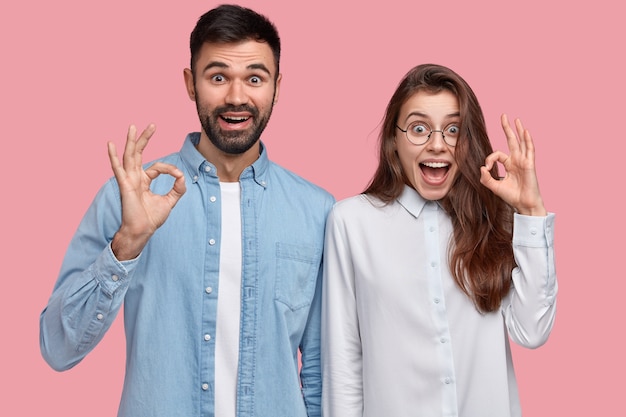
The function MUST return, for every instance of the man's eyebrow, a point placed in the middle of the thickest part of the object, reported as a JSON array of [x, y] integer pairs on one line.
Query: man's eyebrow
[[214, 64], [219, 64], [261, 67]]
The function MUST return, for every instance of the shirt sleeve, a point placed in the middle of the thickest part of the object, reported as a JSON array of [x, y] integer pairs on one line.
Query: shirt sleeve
[[311, 372], [342, 388], [90, 288], [530, 308]]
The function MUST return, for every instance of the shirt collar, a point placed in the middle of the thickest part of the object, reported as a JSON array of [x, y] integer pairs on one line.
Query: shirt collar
[[196, 163], [413, 202]]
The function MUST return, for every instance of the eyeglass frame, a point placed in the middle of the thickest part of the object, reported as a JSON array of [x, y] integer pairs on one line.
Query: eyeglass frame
[[443, 135]]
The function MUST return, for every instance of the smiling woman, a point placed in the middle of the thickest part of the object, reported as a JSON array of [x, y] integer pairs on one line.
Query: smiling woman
[[427, 158], [430, 271]]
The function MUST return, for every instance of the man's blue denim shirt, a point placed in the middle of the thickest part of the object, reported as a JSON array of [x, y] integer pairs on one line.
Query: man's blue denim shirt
[[170, 294]]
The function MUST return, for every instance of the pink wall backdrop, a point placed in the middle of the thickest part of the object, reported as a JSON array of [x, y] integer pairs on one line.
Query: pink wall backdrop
[[75, 74]]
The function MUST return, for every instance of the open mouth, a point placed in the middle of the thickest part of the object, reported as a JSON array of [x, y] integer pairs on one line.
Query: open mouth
[[435, 172], [235, 123], [235, 120]]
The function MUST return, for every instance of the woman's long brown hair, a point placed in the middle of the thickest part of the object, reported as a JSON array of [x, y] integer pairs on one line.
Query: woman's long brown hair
[[481, 253]]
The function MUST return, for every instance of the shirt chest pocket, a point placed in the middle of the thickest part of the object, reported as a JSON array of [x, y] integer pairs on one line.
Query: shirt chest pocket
[[297, 268]]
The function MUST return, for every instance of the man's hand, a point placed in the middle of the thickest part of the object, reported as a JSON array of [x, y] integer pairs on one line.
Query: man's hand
[[143, 212]]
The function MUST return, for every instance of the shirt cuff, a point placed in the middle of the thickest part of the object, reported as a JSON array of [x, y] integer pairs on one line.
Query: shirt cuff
[[533, 231], [112, 274]]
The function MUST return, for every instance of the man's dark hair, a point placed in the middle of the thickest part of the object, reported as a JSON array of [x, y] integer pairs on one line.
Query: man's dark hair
[[232, 23]]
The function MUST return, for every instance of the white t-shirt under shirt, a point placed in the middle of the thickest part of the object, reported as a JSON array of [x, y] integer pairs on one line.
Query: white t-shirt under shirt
[[228, 302]]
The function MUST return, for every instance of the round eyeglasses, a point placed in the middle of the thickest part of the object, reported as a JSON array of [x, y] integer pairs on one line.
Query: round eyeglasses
[[418, 133]]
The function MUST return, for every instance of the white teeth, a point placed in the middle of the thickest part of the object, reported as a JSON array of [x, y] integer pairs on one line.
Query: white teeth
[[236, 119], [436, 164]]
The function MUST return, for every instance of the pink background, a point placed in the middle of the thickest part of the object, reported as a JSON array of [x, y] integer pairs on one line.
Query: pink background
[[76, 73]]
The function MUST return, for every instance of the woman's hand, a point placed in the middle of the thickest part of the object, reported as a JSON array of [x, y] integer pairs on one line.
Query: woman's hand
[[519, 187]]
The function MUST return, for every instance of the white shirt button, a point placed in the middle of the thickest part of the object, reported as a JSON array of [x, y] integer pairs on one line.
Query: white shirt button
[[195, 178], [207, 337], [115, 278], [207, 169], [205, 386], [99, 316], [212, 199], [533, 231], [442, 340], [208, 290], [436, 300], [212, 242], [447, 380]]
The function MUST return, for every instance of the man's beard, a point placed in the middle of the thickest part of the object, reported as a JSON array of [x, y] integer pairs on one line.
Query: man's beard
[[231, 141]]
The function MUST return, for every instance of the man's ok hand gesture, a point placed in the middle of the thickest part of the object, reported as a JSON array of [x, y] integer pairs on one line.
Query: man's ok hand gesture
[[143, 212]]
